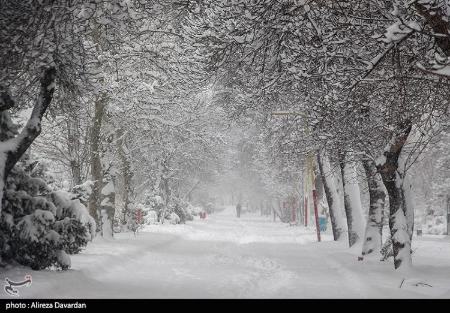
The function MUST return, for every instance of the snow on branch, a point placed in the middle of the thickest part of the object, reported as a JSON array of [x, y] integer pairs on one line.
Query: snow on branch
[[33, 127], [443, 71], [394, 36]]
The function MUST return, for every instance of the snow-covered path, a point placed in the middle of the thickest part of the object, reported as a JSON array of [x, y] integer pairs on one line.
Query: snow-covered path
[[226, 257]]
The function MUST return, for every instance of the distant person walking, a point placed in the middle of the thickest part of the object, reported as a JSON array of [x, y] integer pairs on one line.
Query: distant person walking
[[238, 210]]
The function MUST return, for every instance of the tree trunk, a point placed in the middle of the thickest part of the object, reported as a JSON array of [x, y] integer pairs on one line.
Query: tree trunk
[[12, 146], [8, 130], [388, 166], [96, 163], [107, 207], [374, 226], [73, 140], [165, 189], [408, 203], [333, 200], [352, 202], [127, 174], [437, 18]]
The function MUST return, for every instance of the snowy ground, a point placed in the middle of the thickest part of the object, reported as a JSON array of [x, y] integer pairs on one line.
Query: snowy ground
[[226, 257]]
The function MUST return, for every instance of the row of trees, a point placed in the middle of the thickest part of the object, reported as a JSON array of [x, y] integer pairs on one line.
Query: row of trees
[[123, 99], [364, 82], [138, 94]]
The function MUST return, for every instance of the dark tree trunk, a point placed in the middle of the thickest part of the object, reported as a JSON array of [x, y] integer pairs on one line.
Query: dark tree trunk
[[107, 208], [96, 163], [374, 227], [392, 179], [165, 189], [437, 19], [19, 144], [33, 127], [73, 140], [127, 174]]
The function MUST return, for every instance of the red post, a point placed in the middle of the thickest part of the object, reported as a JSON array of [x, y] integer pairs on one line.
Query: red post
[[316, 214], [139, 216]]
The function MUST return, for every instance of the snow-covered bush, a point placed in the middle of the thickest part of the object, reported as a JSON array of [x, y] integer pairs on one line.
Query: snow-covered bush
[[137, 216], [73, 222], [38, 226], [34, 243], [83, 191], [436, 225], [181, 208], [178, 209], [150, 216], [173, 218], [435, 222], [177, 212], [125, 219], [156, 203], [194, 210]]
